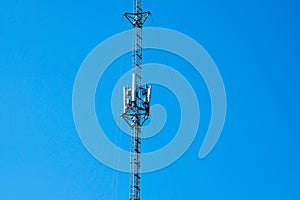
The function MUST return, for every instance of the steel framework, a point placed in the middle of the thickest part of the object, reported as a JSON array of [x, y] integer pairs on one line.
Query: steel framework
[[136, 99]]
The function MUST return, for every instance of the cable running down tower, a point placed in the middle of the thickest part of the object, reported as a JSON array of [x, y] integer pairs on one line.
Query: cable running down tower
[[136, 100]]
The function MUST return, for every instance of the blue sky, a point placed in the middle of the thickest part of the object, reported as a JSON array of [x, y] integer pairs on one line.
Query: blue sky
[[255, 45]]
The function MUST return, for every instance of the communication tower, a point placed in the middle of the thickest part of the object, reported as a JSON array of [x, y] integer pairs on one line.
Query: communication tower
[[136, 99]]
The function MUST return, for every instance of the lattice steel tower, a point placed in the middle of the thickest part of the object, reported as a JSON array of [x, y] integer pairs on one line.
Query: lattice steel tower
[[136, 99]]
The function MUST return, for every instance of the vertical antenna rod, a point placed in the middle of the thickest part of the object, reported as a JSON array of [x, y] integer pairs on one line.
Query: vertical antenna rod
[[136, 99]]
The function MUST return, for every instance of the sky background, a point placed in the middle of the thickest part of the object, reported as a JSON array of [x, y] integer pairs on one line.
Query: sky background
[[255, 45]]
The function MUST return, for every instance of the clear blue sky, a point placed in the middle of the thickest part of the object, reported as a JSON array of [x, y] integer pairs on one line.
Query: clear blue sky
[[256, 47]]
